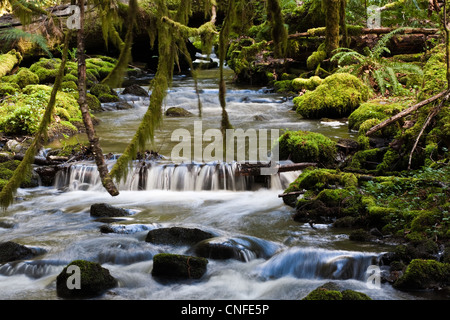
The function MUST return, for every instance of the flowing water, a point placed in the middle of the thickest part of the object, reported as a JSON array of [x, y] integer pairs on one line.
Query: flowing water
[[276, 257]]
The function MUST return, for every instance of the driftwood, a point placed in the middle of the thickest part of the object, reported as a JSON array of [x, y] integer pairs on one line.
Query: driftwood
[[377, 31]]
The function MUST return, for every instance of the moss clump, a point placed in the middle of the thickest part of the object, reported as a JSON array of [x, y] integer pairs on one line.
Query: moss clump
[[177, 112], [311, 83], [8, 89], [94, 280], [424, 274], [24, 78], [305, 146], [434, 74], [374, 109], [338, 96], [316, 58], [104, 93], [21, 114], [8, 61], [168, 265], [329, 291], [6, 171], [46, 70]]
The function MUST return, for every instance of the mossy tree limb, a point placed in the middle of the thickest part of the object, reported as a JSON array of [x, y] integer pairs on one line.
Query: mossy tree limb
[[84, 107]]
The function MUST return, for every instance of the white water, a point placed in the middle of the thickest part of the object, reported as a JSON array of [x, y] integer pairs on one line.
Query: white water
[[280, 258]]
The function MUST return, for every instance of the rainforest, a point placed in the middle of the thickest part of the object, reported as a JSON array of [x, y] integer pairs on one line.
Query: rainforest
[[108, 108]]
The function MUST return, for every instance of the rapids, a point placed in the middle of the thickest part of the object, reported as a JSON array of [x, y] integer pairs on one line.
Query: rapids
[[280, 258]]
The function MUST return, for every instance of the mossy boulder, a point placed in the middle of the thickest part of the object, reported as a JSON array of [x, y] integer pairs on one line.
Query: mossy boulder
[[305, 146], [94, 280], [311, 83], [338, 96], [176, 266], [424, 274], [331, 291], [104, 93], [135, 90], [375, 109], [177, 236], [24, 77], [46, 70], [8, 89], [434, 73], [177, 112]]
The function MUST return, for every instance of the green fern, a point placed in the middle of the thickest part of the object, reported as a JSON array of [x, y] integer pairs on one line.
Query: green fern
[[13, 35], [376, 71]]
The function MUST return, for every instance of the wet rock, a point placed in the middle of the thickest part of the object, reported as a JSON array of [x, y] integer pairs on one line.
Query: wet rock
[[13, 146], [175, 266], [259, 117], [178, 236], [106, 210], [135, 90], [239, 248], [177, 112], [94, 280], [424, 274], [11, 251], [331, 291]]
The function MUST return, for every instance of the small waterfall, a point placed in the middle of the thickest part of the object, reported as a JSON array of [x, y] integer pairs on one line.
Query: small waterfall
[[173, 177], [315, 263]]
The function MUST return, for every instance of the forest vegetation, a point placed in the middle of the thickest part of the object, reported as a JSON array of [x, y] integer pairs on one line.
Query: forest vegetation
[[391, 82]]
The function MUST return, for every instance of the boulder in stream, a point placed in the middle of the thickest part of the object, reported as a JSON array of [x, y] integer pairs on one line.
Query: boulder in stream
[[11, 251], [176, 266], [177, 112], [106, 210], [135, 90], [178, 236], [93, 280]]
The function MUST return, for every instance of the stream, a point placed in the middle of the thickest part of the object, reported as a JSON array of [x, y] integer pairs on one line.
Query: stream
[[280, 259]]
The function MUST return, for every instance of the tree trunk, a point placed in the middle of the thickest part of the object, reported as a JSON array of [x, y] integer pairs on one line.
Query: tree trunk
[[90, 131], [332, 26]]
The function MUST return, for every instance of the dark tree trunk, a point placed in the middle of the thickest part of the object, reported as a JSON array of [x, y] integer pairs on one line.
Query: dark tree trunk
[[107, 182]]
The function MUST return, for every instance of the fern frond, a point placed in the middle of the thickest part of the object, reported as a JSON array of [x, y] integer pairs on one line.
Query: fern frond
[[13, 34], [381, 82], [381, 45]]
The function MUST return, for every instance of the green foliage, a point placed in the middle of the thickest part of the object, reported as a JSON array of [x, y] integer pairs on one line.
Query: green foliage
[[304, 146], [24, 77], [337, 96], [374, 69], [8, 61], [14, 34], [424, 274]]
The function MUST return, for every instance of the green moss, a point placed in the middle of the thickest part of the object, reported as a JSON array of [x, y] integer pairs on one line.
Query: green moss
[[69, 86], [305, 146], [374, 109], [8, 89], [8, 61], [24, 78], [435, 74], [46, 70], [338, 96], [354, 295], [312, 83], [104, 93], [315, 59], [424, 274], [324, 294]]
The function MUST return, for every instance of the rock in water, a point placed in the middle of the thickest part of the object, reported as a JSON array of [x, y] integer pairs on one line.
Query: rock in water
[[84, 279], [106, 210], [176, 266], [11, 251], [177, 236], [135, 90]]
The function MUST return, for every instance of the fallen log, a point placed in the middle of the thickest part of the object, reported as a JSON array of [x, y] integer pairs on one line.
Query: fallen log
[[319, 32], [293, 193], [254, 169]]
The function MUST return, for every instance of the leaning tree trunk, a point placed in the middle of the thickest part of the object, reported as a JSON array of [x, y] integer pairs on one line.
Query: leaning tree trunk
[[107, 182]]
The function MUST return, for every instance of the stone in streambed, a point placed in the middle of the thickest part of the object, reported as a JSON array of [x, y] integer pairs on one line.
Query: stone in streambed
[[177, 112], [135, 90], [177, 236], [176, 266], [106, 210], [93, 280], [11, 251]]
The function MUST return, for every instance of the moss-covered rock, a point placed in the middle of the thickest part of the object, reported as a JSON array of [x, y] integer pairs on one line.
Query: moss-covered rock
[[94, 280], [104, 93], [46, 69], [177, 112], [12, 251], [311, 83], [8, 89], [24, 77], [176, 266], [329, 291], [424, 274], [338, 96], [305, 146]]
